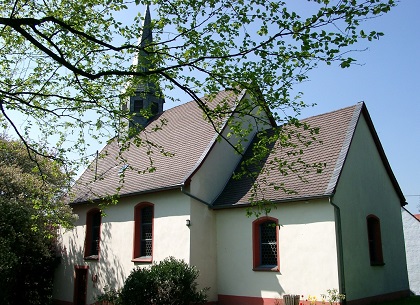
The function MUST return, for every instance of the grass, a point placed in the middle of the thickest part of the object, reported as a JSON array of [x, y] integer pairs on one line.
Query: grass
[[413, 300]]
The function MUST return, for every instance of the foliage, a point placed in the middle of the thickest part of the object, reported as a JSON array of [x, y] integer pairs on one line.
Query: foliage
[[34, 181], [171, 281], [30, 209], [312, 299], [139, 288], [109, 297], [27, 257], [66, 64], [333, 296]]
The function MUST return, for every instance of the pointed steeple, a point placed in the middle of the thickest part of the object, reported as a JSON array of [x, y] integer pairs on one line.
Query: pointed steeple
[[147, 95], [146, 36]]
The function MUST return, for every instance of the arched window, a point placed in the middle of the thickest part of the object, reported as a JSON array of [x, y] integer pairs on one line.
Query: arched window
[[93, 234], [265, 236], [375, 240], [143, 232]]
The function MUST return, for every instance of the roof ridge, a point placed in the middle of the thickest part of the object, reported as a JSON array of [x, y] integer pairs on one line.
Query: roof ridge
[[192, 101], [333, 111]]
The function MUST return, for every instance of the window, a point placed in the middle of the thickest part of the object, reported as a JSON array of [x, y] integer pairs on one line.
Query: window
[[154, 108], [93, 234], [375, 240], [143, 232], [265, 244], [138, 106]]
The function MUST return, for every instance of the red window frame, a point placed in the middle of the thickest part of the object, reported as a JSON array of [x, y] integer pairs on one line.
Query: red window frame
[[138, 225], [91, 230], [256, 244], [374, 240]]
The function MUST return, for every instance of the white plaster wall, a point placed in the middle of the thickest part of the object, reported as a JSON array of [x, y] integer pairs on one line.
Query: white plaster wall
[[214, 173], [203, 246], [412, 248], [171, 238], [307, 249], [364, 188]]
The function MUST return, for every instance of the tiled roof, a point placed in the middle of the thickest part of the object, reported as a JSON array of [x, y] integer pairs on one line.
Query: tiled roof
[[335, 133], [189, 138], [417, 216], [186, 135]]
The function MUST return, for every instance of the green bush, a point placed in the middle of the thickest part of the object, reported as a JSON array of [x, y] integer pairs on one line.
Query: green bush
[[109, 297], [170, 282], [139, 288]]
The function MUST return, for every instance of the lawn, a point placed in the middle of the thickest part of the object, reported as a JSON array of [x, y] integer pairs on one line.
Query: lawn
[[414, 300]]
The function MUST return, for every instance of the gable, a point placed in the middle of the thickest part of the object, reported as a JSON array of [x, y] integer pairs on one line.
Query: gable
[[365, 155], [210, 176], [336, 131]]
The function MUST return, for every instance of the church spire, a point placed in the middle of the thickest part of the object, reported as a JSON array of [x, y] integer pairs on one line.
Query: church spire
[[146, 35], [147, 96]]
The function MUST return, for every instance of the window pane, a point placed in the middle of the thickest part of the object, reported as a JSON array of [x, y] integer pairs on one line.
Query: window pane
[[94, 233], [138, 105], [146, 248], [154, 108], [146, 231], [374, 239], [268, 243], [146, 215]]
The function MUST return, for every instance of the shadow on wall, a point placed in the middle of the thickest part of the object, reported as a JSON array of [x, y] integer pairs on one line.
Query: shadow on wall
[[106, 271]]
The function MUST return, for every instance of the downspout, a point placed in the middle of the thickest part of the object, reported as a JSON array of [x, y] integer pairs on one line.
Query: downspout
[[339, 241]]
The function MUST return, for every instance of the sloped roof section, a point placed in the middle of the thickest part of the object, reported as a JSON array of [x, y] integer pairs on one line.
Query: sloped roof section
[[336, 130], [186, 137]]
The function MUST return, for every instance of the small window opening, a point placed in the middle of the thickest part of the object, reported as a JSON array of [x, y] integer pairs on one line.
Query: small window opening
[[138, 106], [154, 108], [375, 241]]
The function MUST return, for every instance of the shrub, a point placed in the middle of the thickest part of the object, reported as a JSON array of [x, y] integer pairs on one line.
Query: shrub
[[170, 282], [109, 297], [139, 288]]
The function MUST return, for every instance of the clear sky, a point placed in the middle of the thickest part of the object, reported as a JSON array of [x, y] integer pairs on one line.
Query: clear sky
[[389, 84]]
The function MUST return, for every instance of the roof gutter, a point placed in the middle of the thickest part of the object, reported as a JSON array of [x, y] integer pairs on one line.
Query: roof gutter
[[245, 205], [339, 242], [96, 200]]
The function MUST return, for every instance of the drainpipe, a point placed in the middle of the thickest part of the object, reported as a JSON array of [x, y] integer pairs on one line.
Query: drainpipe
[[339, 241]]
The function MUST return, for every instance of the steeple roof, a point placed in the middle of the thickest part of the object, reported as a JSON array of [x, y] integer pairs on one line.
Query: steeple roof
[[145, 39], [147, 93], [146, 36]]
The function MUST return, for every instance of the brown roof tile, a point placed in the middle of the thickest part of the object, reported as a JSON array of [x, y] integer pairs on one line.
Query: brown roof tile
[[335, 133], [186, 135]]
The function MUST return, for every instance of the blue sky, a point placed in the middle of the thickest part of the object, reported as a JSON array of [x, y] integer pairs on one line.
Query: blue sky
[[388, 82]]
